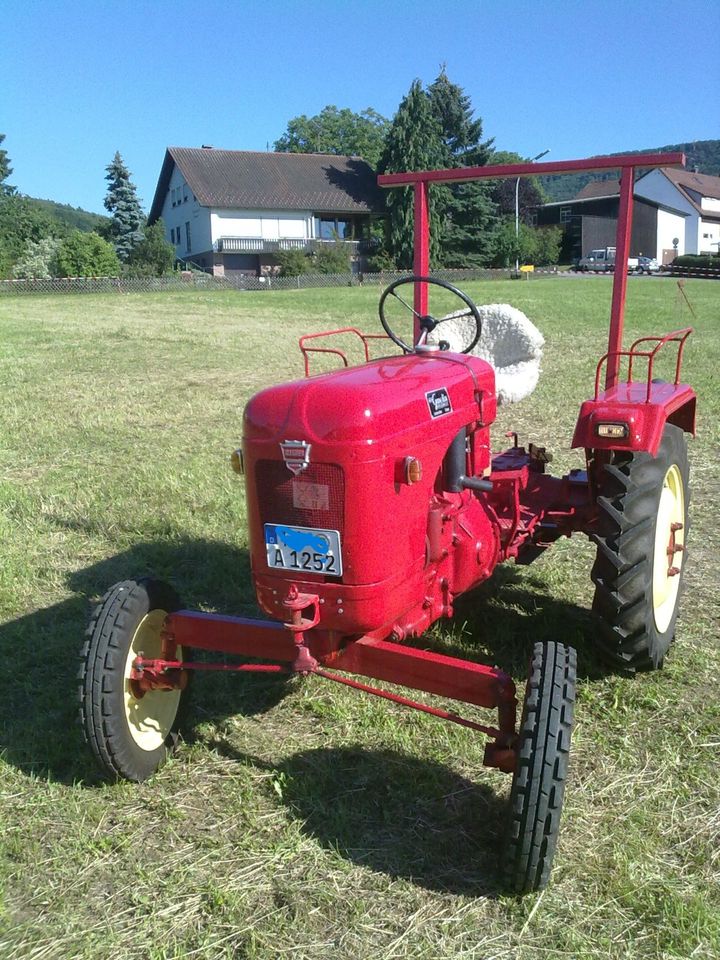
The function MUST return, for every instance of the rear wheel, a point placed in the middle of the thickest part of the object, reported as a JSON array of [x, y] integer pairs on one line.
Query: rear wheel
[[538, 785], [130, 736], [641, 556]]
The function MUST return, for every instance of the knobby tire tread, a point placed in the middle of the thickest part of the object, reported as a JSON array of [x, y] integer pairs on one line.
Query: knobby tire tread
[[630, 486], [539, 782]]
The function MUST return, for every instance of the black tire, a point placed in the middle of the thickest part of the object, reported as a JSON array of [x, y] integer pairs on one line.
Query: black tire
[[636, 628], [130, 737], [538, 786]]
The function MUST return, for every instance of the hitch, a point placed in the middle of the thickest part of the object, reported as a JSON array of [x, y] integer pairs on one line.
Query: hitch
[[296, 602]]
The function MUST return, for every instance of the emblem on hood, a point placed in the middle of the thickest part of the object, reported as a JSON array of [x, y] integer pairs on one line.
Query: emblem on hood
[[296, 454]]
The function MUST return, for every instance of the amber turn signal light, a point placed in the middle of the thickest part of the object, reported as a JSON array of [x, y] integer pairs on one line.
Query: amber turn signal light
[[413, 470], [612, 431], [237, 462]]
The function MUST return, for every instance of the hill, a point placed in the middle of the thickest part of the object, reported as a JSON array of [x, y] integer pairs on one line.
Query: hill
[[703, 154], [74, 218]]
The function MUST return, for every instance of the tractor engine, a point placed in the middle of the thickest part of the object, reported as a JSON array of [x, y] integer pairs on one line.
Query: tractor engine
[[364, 487]]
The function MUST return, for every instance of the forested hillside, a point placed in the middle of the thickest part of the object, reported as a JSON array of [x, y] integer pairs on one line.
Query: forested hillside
[[703, 154], [74, 218]]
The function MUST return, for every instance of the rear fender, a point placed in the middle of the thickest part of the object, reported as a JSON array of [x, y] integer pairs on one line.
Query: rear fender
[[645, 421]]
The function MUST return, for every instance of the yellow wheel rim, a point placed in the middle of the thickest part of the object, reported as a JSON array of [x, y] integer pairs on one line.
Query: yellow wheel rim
[[149, 718], [667, 558]]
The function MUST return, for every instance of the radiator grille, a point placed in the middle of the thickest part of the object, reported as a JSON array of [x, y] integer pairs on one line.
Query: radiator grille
[[315, 498]]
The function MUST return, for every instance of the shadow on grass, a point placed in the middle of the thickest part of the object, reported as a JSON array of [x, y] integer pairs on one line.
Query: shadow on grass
[[38, 684], [396, 814], [39, 732]]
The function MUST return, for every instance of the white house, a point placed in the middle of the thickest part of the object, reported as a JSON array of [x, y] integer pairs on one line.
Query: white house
[[230, 211], [697, 197]]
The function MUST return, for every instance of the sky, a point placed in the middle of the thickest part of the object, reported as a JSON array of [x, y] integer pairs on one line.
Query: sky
[[80, 79]]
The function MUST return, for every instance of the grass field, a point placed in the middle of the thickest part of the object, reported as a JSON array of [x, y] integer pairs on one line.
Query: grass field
[[298, 819]]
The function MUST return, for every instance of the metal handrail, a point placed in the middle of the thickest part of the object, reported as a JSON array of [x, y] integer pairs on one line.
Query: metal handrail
[[364, 337], [677, 336]]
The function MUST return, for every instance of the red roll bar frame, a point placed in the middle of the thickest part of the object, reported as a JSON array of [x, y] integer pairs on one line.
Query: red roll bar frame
[[627, 165]]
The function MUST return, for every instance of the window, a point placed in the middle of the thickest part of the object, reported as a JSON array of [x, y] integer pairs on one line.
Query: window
[[187, 236], [172, 234], [185, 193], [565, 214], [533, 219], [328, 228]]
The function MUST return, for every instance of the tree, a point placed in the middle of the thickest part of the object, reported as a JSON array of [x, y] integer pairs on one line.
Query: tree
[[153, 255], [340, 132], [530, 193], [5, 170], [508, 247], [87, 255], [549, 242], [39, 262], [20, 223], [122, 202], [414, 142], [469, 211]]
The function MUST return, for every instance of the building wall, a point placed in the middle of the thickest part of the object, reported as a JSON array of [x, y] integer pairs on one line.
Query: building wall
[[656, 186], [671, 226], [180, 208]]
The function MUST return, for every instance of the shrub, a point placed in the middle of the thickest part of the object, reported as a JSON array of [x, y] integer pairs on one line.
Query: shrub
[[292, 263], [549, 240], [153, 255], [87, 255], [381, 262], [331, 257], [39, 262], [709, 261]]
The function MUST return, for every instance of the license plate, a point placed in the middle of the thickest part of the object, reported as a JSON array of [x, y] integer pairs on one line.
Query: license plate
[[305, 549]]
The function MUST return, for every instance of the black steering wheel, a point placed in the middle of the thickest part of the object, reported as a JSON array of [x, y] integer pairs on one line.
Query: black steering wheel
[[428, 323]]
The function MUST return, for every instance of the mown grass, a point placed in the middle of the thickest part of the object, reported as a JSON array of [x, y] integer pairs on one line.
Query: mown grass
[[299, 818]]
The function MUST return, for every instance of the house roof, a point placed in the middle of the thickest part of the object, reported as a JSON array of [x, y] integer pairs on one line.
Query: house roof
[[271, 181], [599, 190], [690, 184]]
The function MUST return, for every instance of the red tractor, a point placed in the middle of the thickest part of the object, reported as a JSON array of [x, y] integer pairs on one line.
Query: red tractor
[[374, 502]]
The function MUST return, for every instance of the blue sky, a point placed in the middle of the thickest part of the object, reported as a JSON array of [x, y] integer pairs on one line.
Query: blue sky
[[80, 80]]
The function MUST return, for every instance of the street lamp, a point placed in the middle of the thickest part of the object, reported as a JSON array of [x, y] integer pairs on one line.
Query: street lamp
[[517, 211]]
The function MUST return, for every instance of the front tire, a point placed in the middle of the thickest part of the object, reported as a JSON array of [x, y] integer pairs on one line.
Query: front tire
[[130, 736], [538, 786], [641, 557]]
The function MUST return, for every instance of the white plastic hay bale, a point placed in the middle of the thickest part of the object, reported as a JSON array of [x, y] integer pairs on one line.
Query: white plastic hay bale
[[510, 342]]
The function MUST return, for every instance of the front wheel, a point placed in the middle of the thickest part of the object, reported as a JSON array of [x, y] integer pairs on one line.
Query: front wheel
[[130, 736], [538, 786]]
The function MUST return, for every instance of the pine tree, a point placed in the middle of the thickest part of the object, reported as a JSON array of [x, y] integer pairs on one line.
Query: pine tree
[[5, 171], [468, 208], [126, 229], [414, 142]]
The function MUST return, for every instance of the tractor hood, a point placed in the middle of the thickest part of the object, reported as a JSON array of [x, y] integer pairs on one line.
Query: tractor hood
[[376, 401]]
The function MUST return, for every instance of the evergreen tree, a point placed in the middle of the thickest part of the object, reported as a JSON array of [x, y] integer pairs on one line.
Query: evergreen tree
[[468, 208], [122, 202], [414, 142], [5, 171]]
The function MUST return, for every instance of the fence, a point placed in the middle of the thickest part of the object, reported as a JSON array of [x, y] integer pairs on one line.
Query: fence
[[198, 281]]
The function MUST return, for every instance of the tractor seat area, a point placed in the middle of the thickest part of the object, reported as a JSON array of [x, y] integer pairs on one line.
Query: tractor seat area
[[510, 342]]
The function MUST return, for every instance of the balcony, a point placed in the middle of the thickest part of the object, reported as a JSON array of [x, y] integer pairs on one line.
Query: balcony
[[243, 245]]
